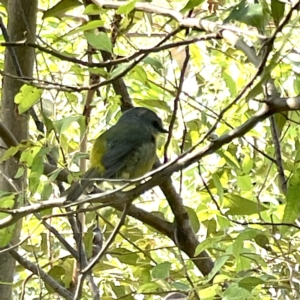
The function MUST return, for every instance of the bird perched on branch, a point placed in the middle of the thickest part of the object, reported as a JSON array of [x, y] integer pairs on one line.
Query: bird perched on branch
[[127, 150]]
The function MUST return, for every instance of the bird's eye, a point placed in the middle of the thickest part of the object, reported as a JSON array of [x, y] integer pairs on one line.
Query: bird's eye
[[156, 124]]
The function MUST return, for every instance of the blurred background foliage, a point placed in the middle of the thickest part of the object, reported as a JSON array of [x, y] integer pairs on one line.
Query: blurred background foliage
[[233, 196]]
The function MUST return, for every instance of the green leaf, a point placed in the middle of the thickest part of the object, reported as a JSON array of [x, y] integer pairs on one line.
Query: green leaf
[[297, 85], [126, 8], [29, 154], [47, 191], [247, 164], [143, 273], [230, 82], [120, 291], [48, 123], [244, 182], [7, 200], [262, 240], [89, 26], [291, 210], [63, 124], [238, 205], [56, 272], [161, 271], [206, 244], [256, 90], [156, 64], [27, 97], [218, 185], [68, 266], [280, 121], [119, 70], [99, 40], [99, 71], [236, 292], [125, 256], [238, 244], [250, 14], [230, 159], [88, 241], [93, 9], [209, 293], [180, 286], [61, 8], [219, 263], [134, 233], [139, 74], [6, 235], [192, 4], [149, 287], [277, 9], [13, 150], [37, 169], [10, 152], [249, 283], [193, 218]]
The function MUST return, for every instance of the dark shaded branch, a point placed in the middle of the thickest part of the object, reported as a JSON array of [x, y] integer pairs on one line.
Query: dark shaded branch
[[41, 274], [184, 234]]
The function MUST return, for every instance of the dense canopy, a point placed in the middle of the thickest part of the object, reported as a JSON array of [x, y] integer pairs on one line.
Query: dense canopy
[[217, 218]]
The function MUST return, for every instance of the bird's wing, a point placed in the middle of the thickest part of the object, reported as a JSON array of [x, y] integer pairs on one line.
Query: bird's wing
[[77, 188], [114, 158]]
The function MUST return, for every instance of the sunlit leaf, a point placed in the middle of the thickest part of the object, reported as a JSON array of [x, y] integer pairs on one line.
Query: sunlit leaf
[[230, 82], [192, 4], [219, 263], [27, 97], [98, 40], [234, 290], [208, 243], [6, 235], [126, 8], [63, 124], [218, 185], [161, 271], [90, 25], [93, 9], [291, 211], [238, 205], [125, 256], [247, 164], [148, 287], [244, 182], [61, 8]]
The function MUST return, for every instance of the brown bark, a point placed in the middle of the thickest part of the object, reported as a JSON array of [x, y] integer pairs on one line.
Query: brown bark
[[21, 25]]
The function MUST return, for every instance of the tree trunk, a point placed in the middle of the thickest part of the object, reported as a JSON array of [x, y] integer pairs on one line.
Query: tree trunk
[[21, 25]]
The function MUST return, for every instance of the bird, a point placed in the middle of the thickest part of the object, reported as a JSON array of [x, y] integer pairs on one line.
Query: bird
[[126, 150]]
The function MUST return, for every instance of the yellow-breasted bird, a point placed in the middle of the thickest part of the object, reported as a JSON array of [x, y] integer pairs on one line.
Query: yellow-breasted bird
[[127, 150]]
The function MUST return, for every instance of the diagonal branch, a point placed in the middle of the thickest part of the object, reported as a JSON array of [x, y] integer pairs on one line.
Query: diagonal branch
[[43, 275], [157, 176], [186, 159]]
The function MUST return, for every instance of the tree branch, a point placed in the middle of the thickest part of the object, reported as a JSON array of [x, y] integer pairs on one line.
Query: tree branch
[[157, 176], [43, 275]]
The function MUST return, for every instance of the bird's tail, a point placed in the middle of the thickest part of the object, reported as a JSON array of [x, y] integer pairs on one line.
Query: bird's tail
[[78, 187]]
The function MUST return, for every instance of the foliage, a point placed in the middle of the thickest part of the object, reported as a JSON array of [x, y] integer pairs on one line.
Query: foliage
[[207, 88]]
